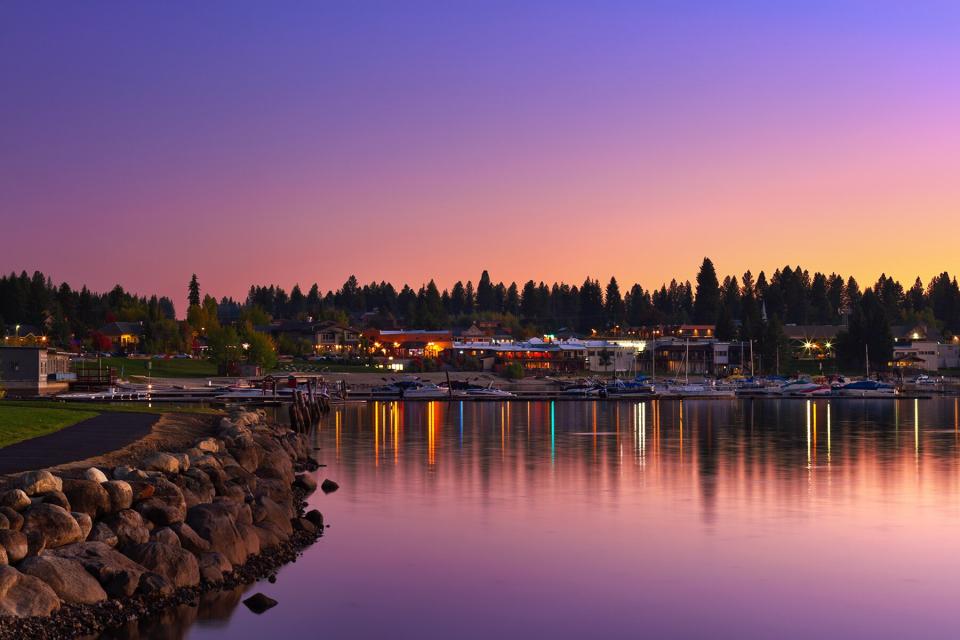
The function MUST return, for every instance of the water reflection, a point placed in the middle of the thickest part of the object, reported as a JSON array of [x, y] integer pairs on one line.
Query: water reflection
[[607, 519]]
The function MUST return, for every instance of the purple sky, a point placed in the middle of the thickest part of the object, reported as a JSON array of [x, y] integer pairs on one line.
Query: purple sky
[[302, 142]]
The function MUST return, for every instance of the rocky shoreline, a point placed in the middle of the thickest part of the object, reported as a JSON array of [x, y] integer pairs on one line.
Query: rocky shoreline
[[98, 548]]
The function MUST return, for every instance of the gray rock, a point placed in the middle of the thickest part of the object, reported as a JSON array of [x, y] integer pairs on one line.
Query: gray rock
[[55, 523], [166, 506], [165, 535], [129, 528], [315, 517], [251, 538], [103, 533], [161, 461], [14, 519], [87, 496], [302, 524], [14, 499], [128, 473], [120, 493], [329, 486], [118, 575], [96, 475], [15, 544], [213, 523], [41, 481], [189, 539], [24, 596], [306, 482], [58, 498], [258, 603], [36, 543], [208, 445], [66, 577], [213, 566], [177, 565], [85, 522], [155, 584], [4, 561]]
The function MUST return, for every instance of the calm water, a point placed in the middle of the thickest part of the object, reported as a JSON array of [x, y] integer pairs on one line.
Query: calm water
[[719, 519]]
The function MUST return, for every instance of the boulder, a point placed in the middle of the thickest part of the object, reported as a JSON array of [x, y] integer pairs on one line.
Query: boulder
[[58, 498], [141, 489], [258, 603], [184, 461], [4, 522], [213, 565], [96, 475], [36, 543], [14, 519], [161, 461], [166, 506], [41, 481], [302, 524], [23, 596], [277, 466], [85, 522], [269, 534], [128, 473], [306, 482], [329, 486], [165, 535], [120, 493], [87, 496], [251, 538], [102, 533], [15, 499], [177, 565], [118, 575], [189, 539], [213, 523], [154, 584], [4, 561], [315, 517], [195, 486], [266, 510], [129, 528], [66, 577], [16, 545], [208, 445], [55, 523]]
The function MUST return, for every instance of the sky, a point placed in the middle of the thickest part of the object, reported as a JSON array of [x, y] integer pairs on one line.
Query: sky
[[288, 142]]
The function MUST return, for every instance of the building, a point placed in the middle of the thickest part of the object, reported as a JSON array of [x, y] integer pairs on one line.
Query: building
[[552, 356], [323, 337], [24, 335], [485, 333], [408, 343], [123, 336], [926, 355], [32, 371], [685, 331], [812, 341]]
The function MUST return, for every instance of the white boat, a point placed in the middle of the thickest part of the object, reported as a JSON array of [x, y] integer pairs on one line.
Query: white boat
[[425, 391], [697, 390], [867, 389], [803, 388], [488, 392]]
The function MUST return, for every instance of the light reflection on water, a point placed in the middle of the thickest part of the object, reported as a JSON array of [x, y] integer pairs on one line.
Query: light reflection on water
[[612, 519]]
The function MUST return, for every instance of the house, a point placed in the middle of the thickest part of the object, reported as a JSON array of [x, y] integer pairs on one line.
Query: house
[[324, 337], [33, 371], [24, 335], [123, 336], [485, 333]]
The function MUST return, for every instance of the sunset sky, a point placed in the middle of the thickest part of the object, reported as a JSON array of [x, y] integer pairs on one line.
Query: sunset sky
[[301, 142]]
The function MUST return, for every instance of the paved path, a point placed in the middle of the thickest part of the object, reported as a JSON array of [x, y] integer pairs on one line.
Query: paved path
[[98, 435]]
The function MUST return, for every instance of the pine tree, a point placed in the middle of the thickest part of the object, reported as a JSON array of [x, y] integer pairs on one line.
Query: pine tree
[[193, 297]]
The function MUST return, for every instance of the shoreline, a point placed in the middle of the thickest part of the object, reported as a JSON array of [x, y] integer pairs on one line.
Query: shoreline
[[211, 505]]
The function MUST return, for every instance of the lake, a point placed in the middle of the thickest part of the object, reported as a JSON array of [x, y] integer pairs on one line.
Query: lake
[[662, 519]]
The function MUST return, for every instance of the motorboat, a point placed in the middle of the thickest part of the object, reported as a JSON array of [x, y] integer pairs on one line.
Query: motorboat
[[629, 388], [487, 392], [425, 391], [867, 389], [803, 388], [692, 389]]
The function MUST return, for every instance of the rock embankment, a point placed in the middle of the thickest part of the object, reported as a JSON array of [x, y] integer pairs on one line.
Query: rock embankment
[[107, 545]]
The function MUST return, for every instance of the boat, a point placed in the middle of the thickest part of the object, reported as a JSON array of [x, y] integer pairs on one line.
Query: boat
[[487, 392], [693, 389], [425, 391], [629, 388], [867, 389], [803, 387]]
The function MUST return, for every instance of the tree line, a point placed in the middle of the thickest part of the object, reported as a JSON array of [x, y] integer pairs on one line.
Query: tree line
[[741, 306]]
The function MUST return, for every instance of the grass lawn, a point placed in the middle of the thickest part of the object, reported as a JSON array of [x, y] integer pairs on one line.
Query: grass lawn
[[172, 368], [22, 421]]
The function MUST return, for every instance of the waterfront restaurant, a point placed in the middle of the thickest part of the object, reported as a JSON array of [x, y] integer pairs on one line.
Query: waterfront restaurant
[[408, 343]]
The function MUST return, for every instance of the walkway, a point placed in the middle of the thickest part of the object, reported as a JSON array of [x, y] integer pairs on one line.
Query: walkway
[[98, 435]]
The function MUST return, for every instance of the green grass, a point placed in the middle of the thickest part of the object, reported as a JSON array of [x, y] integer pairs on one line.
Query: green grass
[[18, 422], [103, 407], [172, 368]]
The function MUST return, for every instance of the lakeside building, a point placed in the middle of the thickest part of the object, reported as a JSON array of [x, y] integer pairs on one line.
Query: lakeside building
[[123, 336], [33, 371], [684, 331], [537, 356], [324, 337], [409, 343], [24, 335], [926, 355], [485, 332]]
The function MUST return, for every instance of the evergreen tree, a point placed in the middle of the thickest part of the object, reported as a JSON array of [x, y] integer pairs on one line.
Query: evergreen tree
[[193, 289]]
